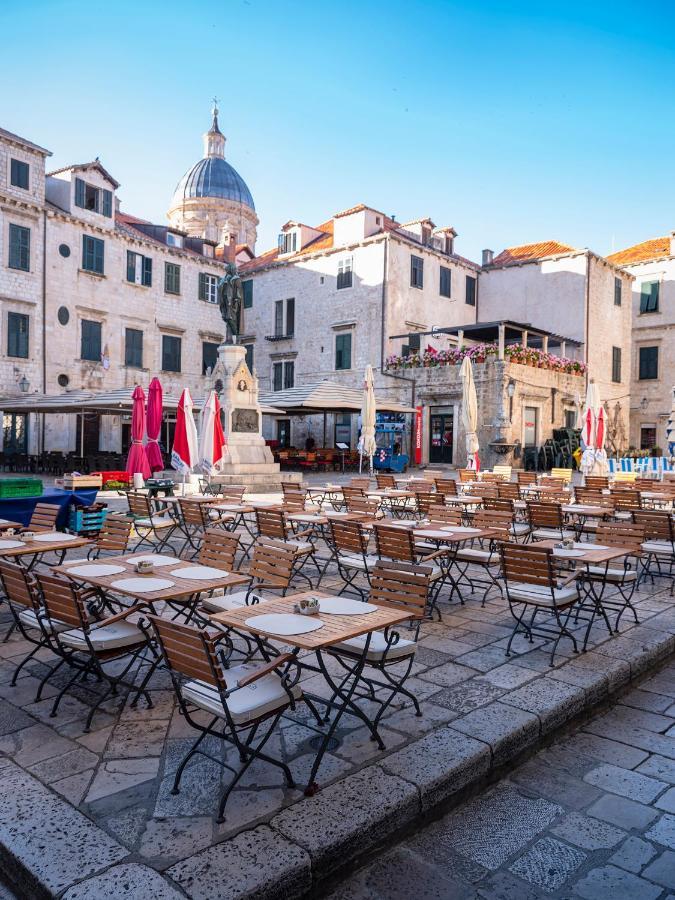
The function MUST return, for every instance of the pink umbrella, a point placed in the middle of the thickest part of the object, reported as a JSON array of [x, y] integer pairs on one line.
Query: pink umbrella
[[600, 429], [154, 426], [137, 460]]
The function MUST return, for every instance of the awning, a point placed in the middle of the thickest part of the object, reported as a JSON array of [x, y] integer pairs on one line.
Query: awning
[[326, 396], [106, 403]]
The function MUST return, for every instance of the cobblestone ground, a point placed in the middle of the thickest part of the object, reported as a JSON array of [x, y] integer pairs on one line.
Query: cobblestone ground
[[593, 816]]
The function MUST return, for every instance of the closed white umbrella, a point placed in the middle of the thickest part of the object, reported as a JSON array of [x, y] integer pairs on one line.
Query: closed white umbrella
[[368, 411], [185, 444], [470, 414], [212, 444], [670, 428], [594, 457]]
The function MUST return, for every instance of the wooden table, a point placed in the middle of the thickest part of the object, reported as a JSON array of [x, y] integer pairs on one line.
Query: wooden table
[[37, 549], [335, 630], [183, 590], [5, 524]]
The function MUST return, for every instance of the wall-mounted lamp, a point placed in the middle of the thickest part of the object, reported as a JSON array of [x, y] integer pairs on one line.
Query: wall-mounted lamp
[[24, 385], [511, 390], [644, 403]]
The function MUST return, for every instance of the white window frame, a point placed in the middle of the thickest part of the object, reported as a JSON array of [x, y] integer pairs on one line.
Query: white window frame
[[211, 285]]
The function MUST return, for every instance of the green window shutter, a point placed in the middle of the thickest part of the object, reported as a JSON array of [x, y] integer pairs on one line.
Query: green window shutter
[[343, 351], [107, 203], [91, 341], [131, 266], [19, 248], [79, 192], [470, 290], [202, 286], [147, 271], [171, 353], [17, 335], [133, 348], [98, 256], [248, 294], [290, 316], [249, 356]]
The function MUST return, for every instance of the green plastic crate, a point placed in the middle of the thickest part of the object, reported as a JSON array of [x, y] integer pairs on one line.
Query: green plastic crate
[[20, 487]]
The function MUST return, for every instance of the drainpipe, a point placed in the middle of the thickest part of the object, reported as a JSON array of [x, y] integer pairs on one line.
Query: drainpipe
[[383, 325], [588, 312], [44, 323]]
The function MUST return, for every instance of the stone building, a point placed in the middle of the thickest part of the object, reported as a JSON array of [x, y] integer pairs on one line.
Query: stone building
[[652, 265], [95, 298]]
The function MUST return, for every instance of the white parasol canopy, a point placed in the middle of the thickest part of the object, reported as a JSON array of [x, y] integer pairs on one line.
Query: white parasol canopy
[[368, 411], [212, 445], [470, 414], [594, 457]]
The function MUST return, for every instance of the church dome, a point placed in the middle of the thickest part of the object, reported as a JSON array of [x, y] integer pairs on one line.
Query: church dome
[[213, 177]]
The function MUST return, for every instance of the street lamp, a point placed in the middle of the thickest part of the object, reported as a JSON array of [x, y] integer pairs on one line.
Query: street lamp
[[24, 385], [511, 390]]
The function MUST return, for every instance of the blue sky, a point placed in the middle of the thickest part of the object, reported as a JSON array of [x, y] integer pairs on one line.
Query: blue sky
[[514, 122]]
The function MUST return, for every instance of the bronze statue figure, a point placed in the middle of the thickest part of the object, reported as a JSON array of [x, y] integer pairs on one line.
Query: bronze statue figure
[[230, 300]]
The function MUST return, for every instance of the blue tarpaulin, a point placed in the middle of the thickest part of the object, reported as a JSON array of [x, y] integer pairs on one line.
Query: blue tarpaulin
[[20, 509]]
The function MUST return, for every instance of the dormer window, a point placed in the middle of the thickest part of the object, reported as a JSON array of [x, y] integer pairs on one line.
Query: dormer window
[[87, 196], [288, 242], [207, 250], [174, 240]]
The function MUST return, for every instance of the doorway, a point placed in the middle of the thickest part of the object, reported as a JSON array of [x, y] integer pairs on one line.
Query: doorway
[[441, 434], [530, 426], [283, 433], [14, 433], [87, 444]]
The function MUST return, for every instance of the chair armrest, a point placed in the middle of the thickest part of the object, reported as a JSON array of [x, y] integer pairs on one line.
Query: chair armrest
[[137, 607], [434, 555], [266, 669], [301, 534], [570, 578]]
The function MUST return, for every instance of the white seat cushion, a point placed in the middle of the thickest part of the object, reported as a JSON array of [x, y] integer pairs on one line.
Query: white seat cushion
[[357, 562], [29, 618], [540, 593], [225, 602], [217, 516], [550, 534], [155, 522], [108, 637], [519, 528], [246, 704], [660, 548], [613, 575], [377, 648], [481, 557], [301, 546]]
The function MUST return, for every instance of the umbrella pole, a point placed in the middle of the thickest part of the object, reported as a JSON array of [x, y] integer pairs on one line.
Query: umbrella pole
[[324, 427]]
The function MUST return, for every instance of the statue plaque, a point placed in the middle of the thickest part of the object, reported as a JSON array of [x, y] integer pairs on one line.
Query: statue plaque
[[245, 420]]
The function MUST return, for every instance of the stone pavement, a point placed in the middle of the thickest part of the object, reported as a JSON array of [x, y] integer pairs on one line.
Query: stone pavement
[[591, 816], [86, 816]]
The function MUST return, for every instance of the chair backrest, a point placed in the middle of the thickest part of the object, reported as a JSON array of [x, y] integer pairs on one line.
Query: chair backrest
[[502, 472], [626, 500], [501, 504], [620, 534], [527, 563], [467, 474], [491, 477], [657, 523], [395, 543], [294, 501], [233, 493], [350, 491], [385, 481], [526, 477], [448, 515], [271, 523], [404, 587], [272, 563], [591, 497], [114, 534], [360, 481], [544, 515], [18, 585], [563, 474], [349, 537], [485, 489], [446, 486], [625, 476], [189, 651], [508, 490], [219, 549], [44, 517], [193, 513], [496, 519], [62, 601], [421, 484], [364, 505], [139, 504], [424, 500], [290, 487], [596, 482]]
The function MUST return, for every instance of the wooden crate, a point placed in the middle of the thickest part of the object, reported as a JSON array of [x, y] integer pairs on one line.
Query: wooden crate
[[72, 482]]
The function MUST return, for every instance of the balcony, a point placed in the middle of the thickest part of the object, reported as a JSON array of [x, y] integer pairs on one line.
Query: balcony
[[279, 337]]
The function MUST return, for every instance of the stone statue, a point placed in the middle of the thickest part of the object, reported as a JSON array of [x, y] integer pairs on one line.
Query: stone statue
[[230, 300]]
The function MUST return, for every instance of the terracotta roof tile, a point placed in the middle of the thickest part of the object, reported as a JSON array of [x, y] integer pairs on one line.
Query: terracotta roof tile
[[652, 249], [529, 252]]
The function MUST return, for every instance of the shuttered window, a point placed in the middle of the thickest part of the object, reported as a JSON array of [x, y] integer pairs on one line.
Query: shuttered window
[[17, 335], [445, 282], [209, 357], [90, 347], [649, 363], [19, 174], [248, 293], [92, 254], [106, 207], [416, 272], [470, 290], [343, 351], [171, 353], [139, 269], [344, 277], [171, 278], [618, 290], [649, 297], [616, 364], [208, 287], [249, 356], [133, 348], [19, 248]]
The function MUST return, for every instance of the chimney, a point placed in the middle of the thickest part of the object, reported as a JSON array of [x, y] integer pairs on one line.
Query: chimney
[[488, 256], [227, 247]]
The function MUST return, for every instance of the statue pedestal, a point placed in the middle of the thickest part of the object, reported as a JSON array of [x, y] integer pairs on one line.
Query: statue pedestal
[[249, 460]]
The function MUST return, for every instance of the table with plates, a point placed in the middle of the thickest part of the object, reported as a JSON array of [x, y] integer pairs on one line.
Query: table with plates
[[18, 548], [275, 620], [579, 513], [450, 538], [393, 499]]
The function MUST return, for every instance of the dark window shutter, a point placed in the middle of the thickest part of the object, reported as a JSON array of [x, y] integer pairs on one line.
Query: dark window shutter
[[19, 248], [202, 286], [290, 316], [79, 192], [248, 294], [91, 341], [17, 335], [249, 357], [147, 271], [107, 203], [131, 266]]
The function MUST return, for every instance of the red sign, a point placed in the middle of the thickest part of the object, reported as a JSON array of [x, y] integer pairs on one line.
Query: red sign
[[418, 435]]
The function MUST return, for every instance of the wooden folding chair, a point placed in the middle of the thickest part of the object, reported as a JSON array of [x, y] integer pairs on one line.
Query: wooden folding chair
[[659, 545], [484, 552], [547, 522], [350, 541], [272, 524], [623, 573], [113, 537], [153, 527], [398, 545], [43, 517]]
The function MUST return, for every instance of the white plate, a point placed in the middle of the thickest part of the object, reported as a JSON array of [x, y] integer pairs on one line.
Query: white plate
[[10, 545], [345, 606], [567, 553], [592, 546], [155, 558], [142, 585], [199, 573], [96, 569], [460, 529], [284, 623], [53, 537]]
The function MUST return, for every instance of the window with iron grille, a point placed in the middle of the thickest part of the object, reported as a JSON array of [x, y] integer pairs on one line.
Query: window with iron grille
[[470, 290], [649, 363], [344, 277], [133, 348], [171, 353], [209, 357], [19, 248], [445, 282], [618, 290], [92, 254], [649, 297], [171, 278], [248, 293], [90, 347], [616, 364], [19, 174], [139, 269], [343, 351], [416, 272], [208, 287], [17, 335]]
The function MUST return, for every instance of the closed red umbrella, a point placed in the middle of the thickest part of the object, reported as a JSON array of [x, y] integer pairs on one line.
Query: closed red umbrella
[[154, 426], [137, 460]]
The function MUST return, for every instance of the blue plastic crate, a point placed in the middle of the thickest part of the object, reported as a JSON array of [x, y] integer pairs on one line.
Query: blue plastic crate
[[86, 519]]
